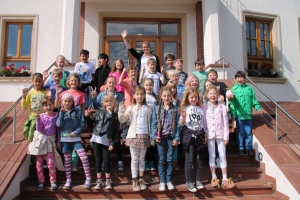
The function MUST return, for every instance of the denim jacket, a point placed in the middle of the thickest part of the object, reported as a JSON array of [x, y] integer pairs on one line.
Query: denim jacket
[[176, 133], [72, 121], [97, 102]]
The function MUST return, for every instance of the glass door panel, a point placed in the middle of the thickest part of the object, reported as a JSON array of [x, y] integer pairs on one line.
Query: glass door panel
[[169, 48], [116, 49]]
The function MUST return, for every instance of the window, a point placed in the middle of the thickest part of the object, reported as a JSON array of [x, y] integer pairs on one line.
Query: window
[[18, 39], [259, 43]]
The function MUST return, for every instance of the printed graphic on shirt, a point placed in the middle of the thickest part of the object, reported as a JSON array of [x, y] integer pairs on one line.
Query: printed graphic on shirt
[[83, 72], [194, 118], [36, 102], [151, 101], [182, 78]]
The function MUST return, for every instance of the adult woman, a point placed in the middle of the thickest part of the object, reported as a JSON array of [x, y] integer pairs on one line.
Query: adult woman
[[142, 57]]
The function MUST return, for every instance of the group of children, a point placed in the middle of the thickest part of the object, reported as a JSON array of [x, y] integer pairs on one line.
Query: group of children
[[168, 108]]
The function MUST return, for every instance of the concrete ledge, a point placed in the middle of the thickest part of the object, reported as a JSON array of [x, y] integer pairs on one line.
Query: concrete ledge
[[267, 80], [16, 79]]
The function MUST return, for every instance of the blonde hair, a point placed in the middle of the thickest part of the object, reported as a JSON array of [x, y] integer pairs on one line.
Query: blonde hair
[[171, 85], [212, 87], [189, 80], [57, 72], [114, 68], [137, 89], [178, 60], [108, 97], [146, 43], [151, 61], [75, 75], [172, 72], [187, 93], [110, 77], [60, 57], [46, 99]]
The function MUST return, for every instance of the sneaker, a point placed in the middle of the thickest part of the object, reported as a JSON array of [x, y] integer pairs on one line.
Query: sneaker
[[67, 186], [40, 187], [250, 152], [120, 167], [199, 185], [143, 185], [151, 165], [74, 168], [228, 183], [241, 152], [218, 164], [175, 166], [162, 187], [191, 187], [99, 184], [53, 186], [87, 184], [135, 185], [215, 182], [108, 184], [147, 167], [170, 186]]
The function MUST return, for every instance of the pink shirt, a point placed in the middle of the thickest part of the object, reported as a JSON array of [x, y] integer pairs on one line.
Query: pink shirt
[[79, 97], [129, 87], [117, 75], [216, 122]]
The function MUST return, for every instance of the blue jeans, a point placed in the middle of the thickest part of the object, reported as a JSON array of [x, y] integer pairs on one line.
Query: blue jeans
[[175, 153], [165, 164], [244, 128], [70, 146]]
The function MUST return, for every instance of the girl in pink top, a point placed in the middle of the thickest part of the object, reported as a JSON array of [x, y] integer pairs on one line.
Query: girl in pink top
[[217, 131], [129, 84], [116, 72]]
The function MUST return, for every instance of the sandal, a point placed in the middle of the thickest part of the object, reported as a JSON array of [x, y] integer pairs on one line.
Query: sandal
[[228, 183], [215, 182]]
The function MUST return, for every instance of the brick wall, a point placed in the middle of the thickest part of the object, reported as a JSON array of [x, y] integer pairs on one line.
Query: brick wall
[[81, 27], [199, 29]]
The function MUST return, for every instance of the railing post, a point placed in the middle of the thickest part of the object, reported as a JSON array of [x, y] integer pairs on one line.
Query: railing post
[[276, 121], [14, 126]]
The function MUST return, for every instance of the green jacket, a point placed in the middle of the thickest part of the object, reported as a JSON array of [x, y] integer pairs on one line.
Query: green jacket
[[243, 101]]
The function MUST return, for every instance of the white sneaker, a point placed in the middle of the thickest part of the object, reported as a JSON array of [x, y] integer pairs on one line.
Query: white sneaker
[[191, 187], [170, 186], [162, 187]]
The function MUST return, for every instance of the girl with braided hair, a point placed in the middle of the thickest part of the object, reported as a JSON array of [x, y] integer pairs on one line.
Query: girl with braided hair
[[193, 136], [165, 131]]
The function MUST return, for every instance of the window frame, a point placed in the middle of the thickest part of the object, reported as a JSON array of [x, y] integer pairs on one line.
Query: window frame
[[276, 46], [7, 19]]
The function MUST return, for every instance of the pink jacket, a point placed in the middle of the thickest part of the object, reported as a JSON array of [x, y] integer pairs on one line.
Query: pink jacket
[[216, 124]]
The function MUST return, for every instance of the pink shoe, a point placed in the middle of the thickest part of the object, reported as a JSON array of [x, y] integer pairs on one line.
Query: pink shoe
[[215, 182], [228, 183]]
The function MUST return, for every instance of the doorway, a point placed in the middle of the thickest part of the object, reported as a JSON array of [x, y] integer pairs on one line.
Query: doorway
[[163, 35]]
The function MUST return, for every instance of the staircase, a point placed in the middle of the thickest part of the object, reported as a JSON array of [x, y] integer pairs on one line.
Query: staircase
[[245, 172]]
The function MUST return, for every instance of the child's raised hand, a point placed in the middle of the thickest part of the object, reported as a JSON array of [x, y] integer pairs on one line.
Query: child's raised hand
[[94, 93], [45, 74], [121, 105], [124, 33], [58, 90], [48, 92], [144, 69], [221, 99], [162, 70], [24, 92], [182, 112], [37, 114], [260, 112], [87, 112], [110, 148], [225, 142], [124, 69], [62, 109]]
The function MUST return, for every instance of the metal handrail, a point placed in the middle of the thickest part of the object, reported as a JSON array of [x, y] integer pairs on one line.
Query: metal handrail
[[10, 109], [266, 95]]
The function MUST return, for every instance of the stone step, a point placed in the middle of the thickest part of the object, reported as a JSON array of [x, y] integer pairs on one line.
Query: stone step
[[124, 191]]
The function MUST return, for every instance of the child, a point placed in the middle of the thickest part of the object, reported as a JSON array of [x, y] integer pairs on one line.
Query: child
[[73, 84], [176, 102], [33, 98], [193, 136], [182, 75], [165, 131], [152, 101], [193, 82], [60, 63], [86, 71], [241, 111], [116, 72], [155, 76], [201, 74], [102, 72], [71, 122], [139, 115], [169, 58], [97, 103], [54, 85], [217, 131], [174, 76], [129, 84], [207, 84], [43, 144], [105, 136]]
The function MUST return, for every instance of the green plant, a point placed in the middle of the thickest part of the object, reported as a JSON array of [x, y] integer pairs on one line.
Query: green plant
[[266, 70], [11, 71]]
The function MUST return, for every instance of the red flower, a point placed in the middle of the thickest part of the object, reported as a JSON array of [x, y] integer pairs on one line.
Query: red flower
[[23, 67]]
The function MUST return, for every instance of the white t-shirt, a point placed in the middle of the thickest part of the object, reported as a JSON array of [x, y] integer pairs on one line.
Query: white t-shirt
[[151, 101], [85, 71], [141, 126], [144, 61], [156, 77], [194, 117]]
